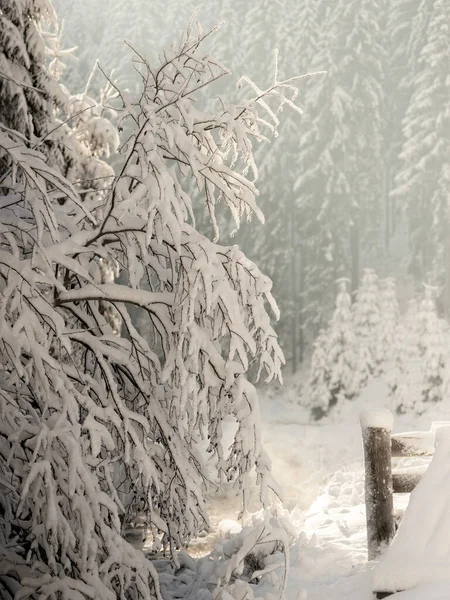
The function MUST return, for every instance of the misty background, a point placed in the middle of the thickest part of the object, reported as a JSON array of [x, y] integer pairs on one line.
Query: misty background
[[361, 179]]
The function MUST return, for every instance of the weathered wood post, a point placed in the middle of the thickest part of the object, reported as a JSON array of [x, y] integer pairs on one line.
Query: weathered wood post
[[377, 428]]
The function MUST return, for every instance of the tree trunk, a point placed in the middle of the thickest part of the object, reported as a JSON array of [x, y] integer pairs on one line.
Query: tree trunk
[[294, 286], [355, 258], [388, 228], [301, 332]]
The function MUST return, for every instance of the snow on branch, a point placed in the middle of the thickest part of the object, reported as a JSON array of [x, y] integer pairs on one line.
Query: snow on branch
[[92, 420]]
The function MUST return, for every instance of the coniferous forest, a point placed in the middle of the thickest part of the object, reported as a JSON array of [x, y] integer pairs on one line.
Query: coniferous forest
[[360, 179]]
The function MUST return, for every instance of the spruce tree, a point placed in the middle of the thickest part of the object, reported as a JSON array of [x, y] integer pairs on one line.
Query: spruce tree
[[367, 320], [341, 151], [319, 394], [28, 93], [422, 183], [281, 245], [389, 314], [406, 379], [433, 346], [399, 24], [346, 369]]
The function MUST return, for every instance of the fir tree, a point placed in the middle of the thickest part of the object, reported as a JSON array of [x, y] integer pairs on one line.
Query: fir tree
[[399, 24], [422, 183], [28, 93], [405, 382], [345, 367], [319, 394], [341, 149], [281, 245], [432, 349], [389, 313], [341, 154], [367, 320]]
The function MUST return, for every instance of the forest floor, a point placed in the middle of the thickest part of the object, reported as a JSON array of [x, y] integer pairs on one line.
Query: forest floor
[[320, 469]]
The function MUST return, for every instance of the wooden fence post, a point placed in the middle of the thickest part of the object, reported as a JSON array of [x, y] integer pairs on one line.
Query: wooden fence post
[[377, 428]]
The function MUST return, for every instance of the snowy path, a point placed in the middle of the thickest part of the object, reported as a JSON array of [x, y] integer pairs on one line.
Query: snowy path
[[321, 470]]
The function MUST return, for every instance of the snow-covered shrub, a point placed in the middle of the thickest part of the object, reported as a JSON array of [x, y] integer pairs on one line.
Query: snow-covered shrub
[[248, 563], [90, 419], [254, 563]]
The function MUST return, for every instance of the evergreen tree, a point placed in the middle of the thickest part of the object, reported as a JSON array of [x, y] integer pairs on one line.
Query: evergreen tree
[[346, 370], [389, 313], [406, 380], [433, 349], [341, 151], [280, 245], [28, 93], [422, 183], [319, 394], [399, 23], [367, 320]]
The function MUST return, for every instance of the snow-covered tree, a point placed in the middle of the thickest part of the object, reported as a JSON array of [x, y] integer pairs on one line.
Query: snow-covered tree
[[389, 314], [421, 361], [340, 155], [279, 247], [346, 370], [319, 393], [432, 348], [422, 183], [90, 418], [399, 27], [367, 320], [73, 130], [28, 92], [406, 377]]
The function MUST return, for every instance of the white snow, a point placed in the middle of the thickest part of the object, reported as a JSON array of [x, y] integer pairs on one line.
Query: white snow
[[434, 591], [320, 467], [379, 418], [417, 442]]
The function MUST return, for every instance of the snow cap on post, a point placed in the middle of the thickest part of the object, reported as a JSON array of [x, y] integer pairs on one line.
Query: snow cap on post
[[377, 417]]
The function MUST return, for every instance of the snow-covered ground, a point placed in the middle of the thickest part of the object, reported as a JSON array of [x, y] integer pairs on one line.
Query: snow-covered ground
[[320, 468]]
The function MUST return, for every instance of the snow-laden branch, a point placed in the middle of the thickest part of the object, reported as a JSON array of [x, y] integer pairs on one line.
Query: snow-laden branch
[[116, 293], [93, 422]]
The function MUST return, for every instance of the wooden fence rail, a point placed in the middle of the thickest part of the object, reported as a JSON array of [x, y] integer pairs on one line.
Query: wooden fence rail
[[381, 481]]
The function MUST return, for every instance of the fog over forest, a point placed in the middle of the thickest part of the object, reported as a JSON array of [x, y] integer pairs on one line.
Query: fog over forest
[[361, 178]]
